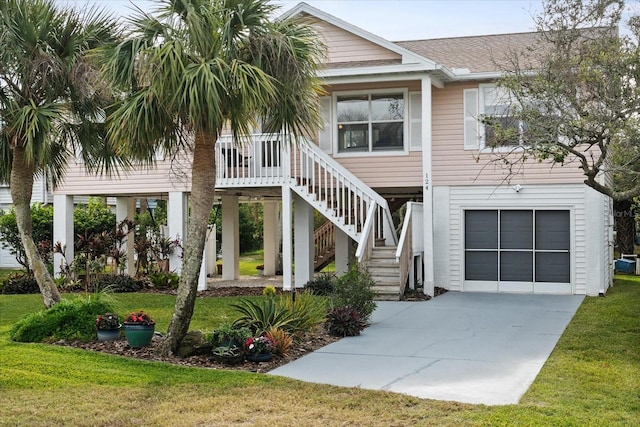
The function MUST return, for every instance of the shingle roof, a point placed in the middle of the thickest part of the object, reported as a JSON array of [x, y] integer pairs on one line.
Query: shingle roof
[[476, 53]]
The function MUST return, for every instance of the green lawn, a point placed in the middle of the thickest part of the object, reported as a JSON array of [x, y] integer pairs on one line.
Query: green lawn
[[591, 379]]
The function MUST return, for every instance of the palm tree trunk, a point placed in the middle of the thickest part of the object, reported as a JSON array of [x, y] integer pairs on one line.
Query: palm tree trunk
[[21, 184], [203, 181]]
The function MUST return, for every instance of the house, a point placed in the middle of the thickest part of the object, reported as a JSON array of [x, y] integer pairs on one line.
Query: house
[[41, 194], [401, 125]]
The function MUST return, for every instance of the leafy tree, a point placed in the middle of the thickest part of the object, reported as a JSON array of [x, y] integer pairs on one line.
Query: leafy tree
[[42, 224], [94, 218], [51, 105], [193, 67], [577, 91]]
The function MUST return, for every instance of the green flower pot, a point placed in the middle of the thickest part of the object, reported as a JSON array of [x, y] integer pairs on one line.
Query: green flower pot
[[108, 334], [138, 335]]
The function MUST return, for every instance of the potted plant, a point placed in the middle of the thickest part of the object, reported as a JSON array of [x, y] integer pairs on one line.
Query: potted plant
[[139, 328], [108, 327], [227, 335], [229, 355], [259, 349]]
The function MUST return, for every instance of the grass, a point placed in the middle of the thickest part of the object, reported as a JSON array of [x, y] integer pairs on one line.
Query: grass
[[249, 261], [591, 379]]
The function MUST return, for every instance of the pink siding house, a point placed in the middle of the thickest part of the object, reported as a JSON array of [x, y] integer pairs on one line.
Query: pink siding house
[[401, 129]]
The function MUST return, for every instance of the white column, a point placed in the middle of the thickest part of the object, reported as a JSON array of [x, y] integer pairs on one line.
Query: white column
[[126, 209], [62, 230], [427, 190], [211, 250], [287, 239], [304, 247], [177, 211], [230, 238], [343, 251], [271, 229]]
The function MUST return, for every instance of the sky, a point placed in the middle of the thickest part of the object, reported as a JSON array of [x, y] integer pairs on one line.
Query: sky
[[397, 20], [400, 19]]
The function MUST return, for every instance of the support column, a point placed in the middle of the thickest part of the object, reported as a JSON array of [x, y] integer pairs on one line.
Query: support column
[[211, 251], [287, 240], [427, 190], [62, 230], [304, 247], [271, 228], [126, 209], [344, 252], [230, 238], [177, 211]]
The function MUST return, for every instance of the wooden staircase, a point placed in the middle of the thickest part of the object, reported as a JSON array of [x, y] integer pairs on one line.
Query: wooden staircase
[[324, 243], [385, 271]]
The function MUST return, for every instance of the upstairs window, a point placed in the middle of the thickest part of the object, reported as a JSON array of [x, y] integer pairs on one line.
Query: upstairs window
[[488, 110], [370, 122], [497, 106]]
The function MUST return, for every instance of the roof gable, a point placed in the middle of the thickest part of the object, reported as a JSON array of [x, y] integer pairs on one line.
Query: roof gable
[[347, 43]]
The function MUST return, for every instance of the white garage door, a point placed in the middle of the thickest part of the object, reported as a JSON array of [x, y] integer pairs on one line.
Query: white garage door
[[517, 251]]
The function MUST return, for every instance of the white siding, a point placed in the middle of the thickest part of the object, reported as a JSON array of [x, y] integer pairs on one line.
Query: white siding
[[451, 202]]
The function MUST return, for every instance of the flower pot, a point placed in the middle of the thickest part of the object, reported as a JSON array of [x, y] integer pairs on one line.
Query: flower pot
[[138, 335], [108, 334], [262, 357]]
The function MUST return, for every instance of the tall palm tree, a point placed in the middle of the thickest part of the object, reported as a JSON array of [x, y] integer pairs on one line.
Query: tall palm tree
[[51, 103], [194, 67]]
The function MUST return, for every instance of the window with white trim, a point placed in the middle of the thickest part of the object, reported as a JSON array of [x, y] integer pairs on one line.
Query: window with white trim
[[370, 122], [493, 103], [497, 105]]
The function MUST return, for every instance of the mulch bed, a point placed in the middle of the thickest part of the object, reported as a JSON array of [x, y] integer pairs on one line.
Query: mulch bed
[[308, 343]]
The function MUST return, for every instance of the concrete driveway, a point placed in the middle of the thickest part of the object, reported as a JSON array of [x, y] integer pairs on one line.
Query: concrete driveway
[[464, 347]]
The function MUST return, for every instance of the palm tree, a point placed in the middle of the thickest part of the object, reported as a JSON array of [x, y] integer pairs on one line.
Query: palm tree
[[193, 67], [51, 102]]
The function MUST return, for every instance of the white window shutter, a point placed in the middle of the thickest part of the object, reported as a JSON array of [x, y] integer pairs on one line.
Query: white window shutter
[[415, 121], [471, 124], [324, 137]]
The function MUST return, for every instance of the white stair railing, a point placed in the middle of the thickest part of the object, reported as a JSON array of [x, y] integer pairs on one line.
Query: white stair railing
[[410, 240], [337, 193], [268, 160]]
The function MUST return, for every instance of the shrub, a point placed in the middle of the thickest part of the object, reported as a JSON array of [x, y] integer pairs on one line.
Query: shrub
[[345, 322], [164, 280], [20, 284], [65, 320], [309, 311], [355, 289], [322, 284], [266, 313], [261, 315], [117, 283], [282, 341]]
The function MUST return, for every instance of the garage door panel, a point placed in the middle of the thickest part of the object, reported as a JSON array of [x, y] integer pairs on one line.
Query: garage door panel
[[481, 265], [516, 266], [516, 229], [553, 230], [553, 267], [481, 229]]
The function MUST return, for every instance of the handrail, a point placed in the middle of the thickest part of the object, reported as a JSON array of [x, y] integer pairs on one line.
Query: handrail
[[364, 245], [405, 245]]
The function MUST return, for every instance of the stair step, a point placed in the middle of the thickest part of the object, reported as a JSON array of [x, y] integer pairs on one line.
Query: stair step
[[383, 263]]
